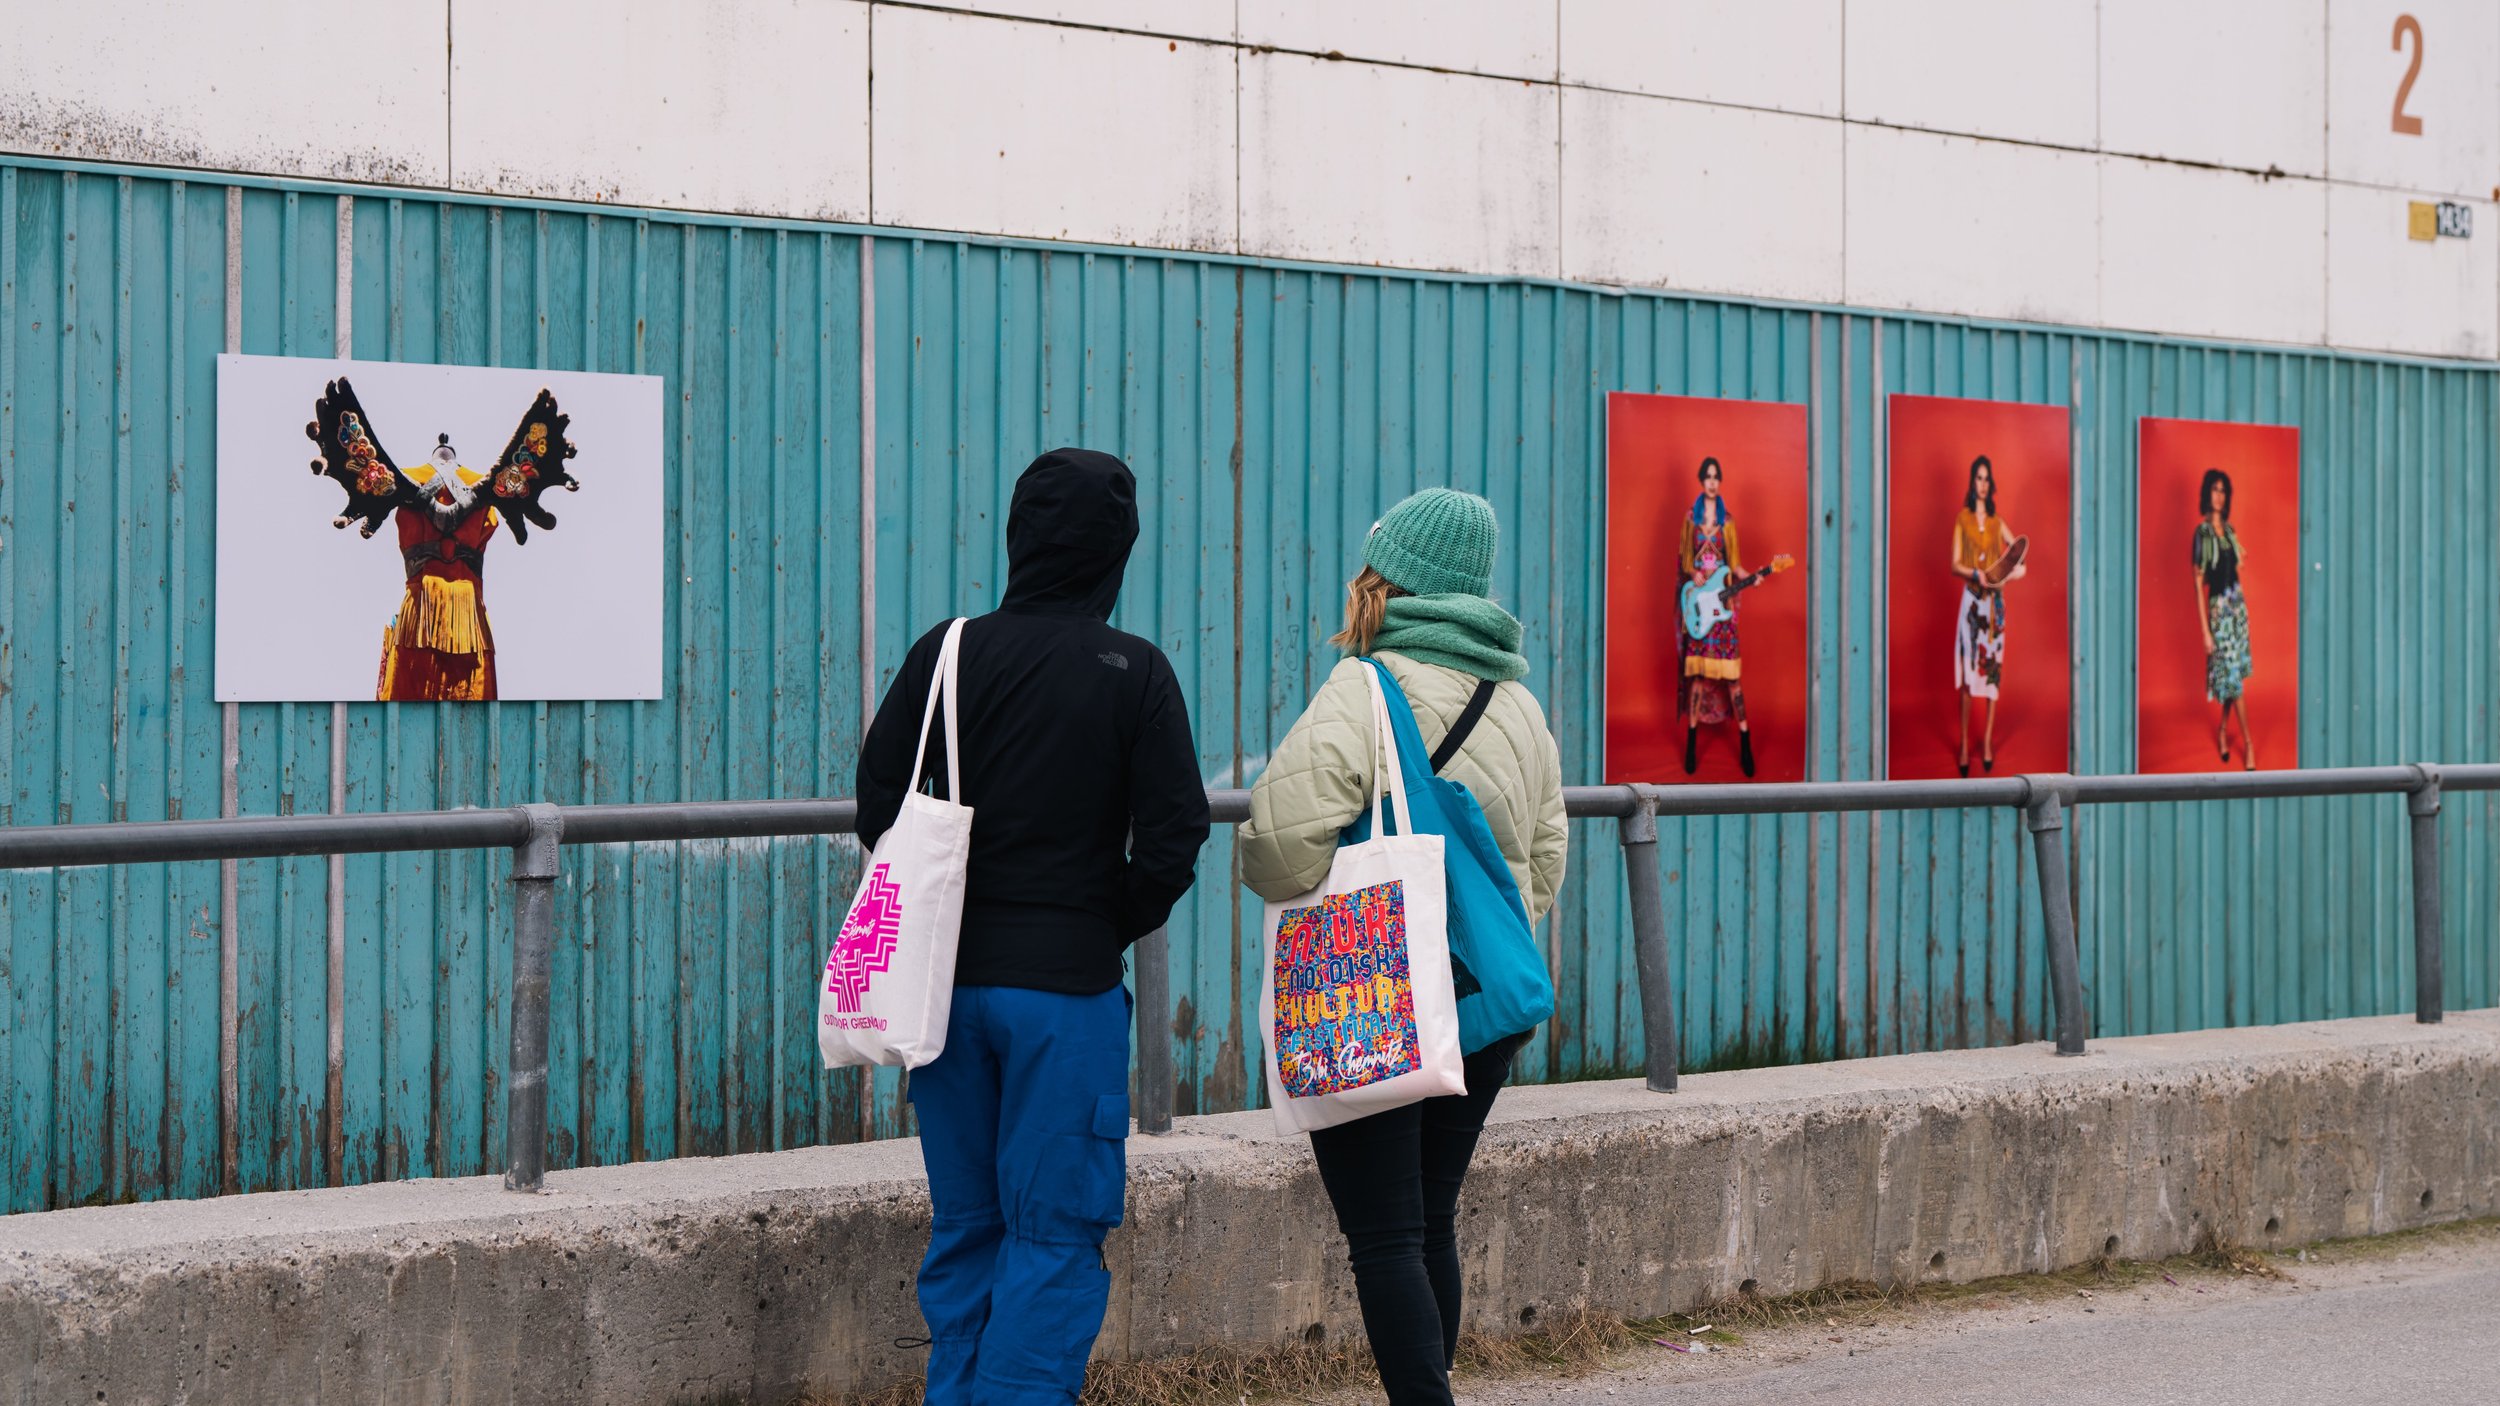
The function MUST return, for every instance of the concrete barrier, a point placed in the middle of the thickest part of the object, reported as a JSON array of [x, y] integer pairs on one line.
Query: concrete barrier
[[765, 1278]]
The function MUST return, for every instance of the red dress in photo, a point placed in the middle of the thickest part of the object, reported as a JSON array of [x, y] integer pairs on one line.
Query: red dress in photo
[[440, 646]]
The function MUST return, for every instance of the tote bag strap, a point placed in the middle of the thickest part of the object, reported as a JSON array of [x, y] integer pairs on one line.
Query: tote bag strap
[[943, 683], [1388, 778]]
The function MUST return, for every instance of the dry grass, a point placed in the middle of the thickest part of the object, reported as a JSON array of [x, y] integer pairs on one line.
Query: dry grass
[[1855, 1300], [902, 1393], [1576, 1343], [1207, 1377], [2214, 1252], [2479, 1231], [1579, 1342], [1228, 1376], [1582, 1341]]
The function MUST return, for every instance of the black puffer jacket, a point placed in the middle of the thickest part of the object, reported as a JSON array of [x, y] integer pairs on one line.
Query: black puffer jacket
[[1088, 811]]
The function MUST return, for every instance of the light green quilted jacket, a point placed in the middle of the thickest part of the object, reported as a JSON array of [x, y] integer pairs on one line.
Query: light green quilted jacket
[[1320, 778]]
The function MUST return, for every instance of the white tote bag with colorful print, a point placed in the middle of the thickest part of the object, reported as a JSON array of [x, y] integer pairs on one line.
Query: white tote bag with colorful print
[[890, 979], [1357, 1009]]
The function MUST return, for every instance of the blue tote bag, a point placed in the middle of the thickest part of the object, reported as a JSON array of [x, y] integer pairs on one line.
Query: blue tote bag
[[1494, 962]]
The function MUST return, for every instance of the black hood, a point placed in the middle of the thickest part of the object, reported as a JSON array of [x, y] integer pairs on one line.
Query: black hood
[[1069, 530]]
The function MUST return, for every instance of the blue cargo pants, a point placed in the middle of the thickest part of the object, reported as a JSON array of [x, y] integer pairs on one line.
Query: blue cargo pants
[[1024, 1127]]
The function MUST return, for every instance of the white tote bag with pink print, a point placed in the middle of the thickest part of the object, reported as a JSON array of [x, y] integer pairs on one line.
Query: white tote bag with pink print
[[890, 979]]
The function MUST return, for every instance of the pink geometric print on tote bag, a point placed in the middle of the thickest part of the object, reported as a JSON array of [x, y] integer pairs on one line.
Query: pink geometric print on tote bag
[[866, 946]]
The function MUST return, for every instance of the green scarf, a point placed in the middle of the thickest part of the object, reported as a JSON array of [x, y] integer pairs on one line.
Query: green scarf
[[1467, 633]]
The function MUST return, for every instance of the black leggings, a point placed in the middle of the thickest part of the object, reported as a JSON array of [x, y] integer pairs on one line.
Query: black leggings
[[1394, 1178]]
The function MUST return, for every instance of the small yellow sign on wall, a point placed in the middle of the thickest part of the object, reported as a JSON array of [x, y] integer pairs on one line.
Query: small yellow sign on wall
[[2426, 221]]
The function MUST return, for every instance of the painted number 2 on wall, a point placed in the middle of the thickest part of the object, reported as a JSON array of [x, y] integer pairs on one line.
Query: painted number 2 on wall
[[2405, 123]]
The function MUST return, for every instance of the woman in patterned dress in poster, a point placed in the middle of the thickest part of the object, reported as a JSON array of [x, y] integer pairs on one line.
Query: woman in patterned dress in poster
[[2222, 614], [1980, 543], [1714, 665]]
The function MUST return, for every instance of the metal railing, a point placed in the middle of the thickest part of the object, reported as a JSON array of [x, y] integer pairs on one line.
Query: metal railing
[[536, 834]]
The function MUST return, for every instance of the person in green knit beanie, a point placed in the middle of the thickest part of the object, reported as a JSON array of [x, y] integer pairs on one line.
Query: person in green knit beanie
[[1434, 553], [1422, 605]]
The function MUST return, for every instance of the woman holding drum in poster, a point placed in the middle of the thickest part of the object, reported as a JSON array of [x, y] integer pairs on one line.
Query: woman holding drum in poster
[[1986, 555], [2222, 614]]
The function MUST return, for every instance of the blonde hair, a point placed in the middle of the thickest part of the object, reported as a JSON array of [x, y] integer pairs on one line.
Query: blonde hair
[[1366, 602]]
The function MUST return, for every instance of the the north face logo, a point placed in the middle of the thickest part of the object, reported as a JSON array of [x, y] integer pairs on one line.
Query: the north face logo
[[866, 946], [1116, 661]]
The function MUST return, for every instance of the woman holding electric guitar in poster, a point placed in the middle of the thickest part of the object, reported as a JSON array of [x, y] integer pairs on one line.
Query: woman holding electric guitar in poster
[[1714, 575]]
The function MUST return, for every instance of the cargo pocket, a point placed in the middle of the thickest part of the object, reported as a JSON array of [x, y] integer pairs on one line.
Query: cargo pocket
[[1111, 1117], [1081, 1185]]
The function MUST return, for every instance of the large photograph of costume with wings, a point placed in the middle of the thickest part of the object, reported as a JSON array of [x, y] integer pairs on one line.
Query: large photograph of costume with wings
[[448, 511], [441, 644]]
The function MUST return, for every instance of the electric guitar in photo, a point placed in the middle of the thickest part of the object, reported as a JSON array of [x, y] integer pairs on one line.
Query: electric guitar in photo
[[1710, 601]]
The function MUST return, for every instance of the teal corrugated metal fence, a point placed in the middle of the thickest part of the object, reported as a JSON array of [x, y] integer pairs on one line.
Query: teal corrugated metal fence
[[685, 980], [1271, 412]]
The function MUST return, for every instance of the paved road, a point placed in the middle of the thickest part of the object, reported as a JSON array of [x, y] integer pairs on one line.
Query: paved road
[[2407, 1332]]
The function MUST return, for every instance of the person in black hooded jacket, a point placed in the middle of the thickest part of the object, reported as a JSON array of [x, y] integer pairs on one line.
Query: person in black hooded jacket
[[1088, 814]]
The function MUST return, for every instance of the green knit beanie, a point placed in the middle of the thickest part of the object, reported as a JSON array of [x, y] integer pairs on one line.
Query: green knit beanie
[[1439, 542]]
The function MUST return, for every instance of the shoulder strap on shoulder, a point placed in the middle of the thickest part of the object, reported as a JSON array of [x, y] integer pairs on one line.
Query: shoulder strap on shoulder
[[1467, 720]]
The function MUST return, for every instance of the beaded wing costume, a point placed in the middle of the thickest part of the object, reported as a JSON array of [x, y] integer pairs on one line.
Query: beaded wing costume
[[440, 646]]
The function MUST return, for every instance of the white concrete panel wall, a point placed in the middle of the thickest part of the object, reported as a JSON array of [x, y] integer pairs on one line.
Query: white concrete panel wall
[[2228, 82], [2456, 95], [1004, 127], [310, 88], [2084, 161], [1360, 163], [2386, 292], [2212, 253], [1192, 19], [1782, 54], [2022, 71], [1666, 194], [1997, 229], [1507, 38], [663, 102]]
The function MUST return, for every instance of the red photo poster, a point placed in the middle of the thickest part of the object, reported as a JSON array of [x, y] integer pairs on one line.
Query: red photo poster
[[2217, 597], [1981, 655], [1706, 526]]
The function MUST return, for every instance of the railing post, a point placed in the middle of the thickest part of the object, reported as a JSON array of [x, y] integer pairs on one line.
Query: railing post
[[1154, 1032], [1649, 941], [2044, 811], [535, 864], [2430, 1000]]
